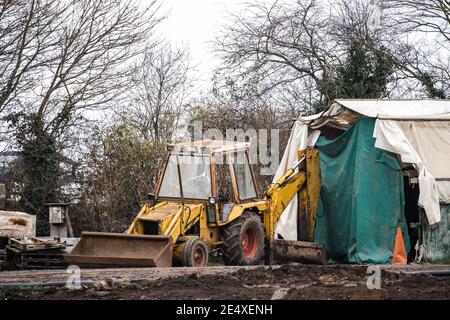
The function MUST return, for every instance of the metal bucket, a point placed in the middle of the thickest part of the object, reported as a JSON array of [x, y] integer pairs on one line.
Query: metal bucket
[[299, 251], [119, 250]]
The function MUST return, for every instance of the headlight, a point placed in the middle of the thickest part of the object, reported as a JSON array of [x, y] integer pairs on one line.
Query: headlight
[[212, 200]]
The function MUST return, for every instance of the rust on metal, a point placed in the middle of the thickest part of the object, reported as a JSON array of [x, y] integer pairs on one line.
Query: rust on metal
[[299, 251], [102, 250]]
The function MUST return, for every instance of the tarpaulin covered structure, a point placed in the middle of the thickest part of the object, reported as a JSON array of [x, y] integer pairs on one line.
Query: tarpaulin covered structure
[[363, 147]]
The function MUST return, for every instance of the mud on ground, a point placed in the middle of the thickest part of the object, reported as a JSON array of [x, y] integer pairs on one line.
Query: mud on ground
[[262, 282]]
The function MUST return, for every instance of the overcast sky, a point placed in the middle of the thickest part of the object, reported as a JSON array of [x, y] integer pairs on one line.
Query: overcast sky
[[195, 23]]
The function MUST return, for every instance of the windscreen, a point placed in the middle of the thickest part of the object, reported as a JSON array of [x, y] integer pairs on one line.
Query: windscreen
[[244, 177], [195, 176]]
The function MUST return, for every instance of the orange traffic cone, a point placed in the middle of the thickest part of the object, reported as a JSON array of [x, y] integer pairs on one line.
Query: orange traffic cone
[[400, 256]]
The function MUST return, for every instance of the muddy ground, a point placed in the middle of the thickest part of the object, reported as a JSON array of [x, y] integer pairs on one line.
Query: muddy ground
[[293, 281]]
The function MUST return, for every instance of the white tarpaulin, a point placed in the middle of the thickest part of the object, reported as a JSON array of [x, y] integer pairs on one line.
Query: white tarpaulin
[[431, 140], [287, 225], [381, 108], [385, 110], [443, 188], [299, 140], [391, 137]]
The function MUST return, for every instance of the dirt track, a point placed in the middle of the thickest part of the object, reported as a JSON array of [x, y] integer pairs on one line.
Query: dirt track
[[259, 282]]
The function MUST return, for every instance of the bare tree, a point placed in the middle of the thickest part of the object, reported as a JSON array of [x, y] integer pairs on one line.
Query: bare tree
[[426, 59], [428, 16], [160, 84], [284, 44], [85, 66], [26, 29], [121, 168], [60, 58], [95, 42], [280, 43]]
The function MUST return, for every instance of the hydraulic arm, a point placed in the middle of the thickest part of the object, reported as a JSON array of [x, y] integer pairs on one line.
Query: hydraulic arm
[[302, 179]]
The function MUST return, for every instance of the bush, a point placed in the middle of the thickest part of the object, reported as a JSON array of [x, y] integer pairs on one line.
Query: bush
[[121, 169]]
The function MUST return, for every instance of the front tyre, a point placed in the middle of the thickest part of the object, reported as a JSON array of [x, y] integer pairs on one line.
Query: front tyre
[[195, 253], [243, 240]]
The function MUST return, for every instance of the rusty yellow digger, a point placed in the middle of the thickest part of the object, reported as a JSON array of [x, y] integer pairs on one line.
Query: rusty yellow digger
[[206, 200]]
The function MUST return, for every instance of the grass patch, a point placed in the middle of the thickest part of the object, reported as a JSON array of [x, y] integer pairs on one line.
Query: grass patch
[[126, 284]]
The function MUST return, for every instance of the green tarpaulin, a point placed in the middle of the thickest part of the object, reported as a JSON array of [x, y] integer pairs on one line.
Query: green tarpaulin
[[361, 199]]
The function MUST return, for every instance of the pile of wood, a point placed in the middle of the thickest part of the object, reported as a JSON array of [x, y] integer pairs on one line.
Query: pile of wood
[[34, 253], [34, 244], [23, 250]]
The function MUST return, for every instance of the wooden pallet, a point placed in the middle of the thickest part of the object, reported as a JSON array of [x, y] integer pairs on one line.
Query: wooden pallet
[[34, 244], [34, 253], [42, 259]]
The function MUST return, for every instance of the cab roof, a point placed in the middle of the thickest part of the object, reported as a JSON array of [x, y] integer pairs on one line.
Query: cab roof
[[208, 147]]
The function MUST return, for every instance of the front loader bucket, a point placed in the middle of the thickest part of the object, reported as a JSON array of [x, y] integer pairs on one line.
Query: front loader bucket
[[299, 251], [119, 250]]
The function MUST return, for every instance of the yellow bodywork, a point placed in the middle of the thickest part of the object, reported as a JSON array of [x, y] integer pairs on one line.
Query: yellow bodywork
[[309, 193], [177, 220], [306, 183], [171, 228]]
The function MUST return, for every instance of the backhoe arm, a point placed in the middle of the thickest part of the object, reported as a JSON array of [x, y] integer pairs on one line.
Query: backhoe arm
[[285, 179], [281, 194], [304, 181]]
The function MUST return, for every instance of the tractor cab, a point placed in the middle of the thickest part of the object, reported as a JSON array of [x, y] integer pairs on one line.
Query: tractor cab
[[210, 171]]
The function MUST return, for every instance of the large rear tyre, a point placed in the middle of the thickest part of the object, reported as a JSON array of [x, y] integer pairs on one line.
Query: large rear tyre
[[195, 253], [243, 240]]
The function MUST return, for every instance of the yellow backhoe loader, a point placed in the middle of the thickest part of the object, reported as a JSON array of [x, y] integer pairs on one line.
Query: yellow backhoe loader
[[207, 200]]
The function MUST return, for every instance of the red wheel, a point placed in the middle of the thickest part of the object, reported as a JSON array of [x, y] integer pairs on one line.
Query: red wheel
[[199, 257], [195, 253], [250, 242]]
